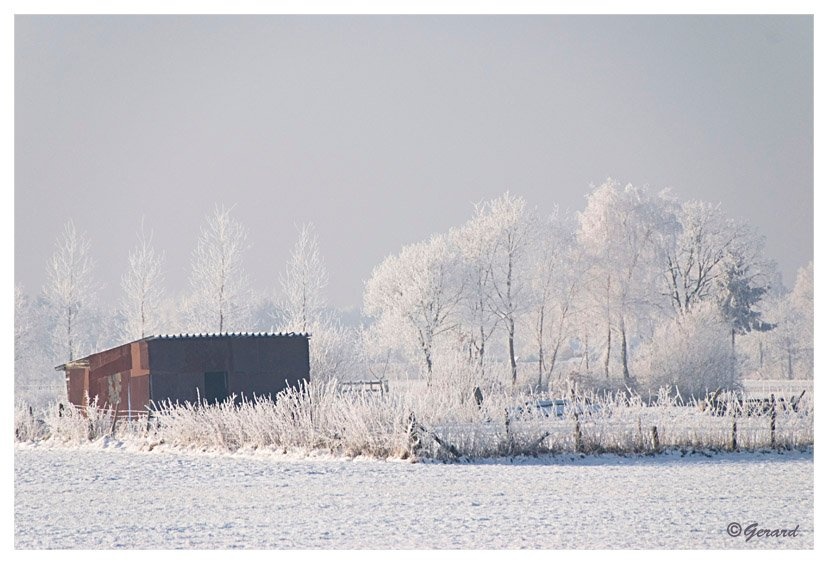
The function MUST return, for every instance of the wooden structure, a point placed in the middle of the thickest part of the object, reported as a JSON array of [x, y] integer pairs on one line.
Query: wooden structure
[[188, 368]]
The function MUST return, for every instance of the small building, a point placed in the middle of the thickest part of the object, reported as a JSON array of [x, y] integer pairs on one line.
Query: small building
[[188, 368]]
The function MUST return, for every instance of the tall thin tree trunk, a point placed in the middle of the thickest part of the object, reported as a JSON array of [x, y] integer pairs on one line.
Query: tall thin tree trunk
[[609, 349], [428, 370], [425, 345], [511, 326], [511, 321], [69, 333], [553, 359], [482, 350], [540, 367], [540, 349], [624, 364]]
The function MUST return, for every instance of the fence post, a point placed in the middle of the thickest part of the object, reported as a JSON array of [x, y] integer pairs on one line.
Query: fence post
[[578, 440], [413, 439], [656, 444], [773, 421], [733, 444], [509, 439]]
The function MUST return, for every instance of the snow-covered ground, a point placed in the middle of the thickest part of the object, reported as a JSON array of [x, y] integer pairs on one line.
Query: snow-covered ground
[[97, 497]]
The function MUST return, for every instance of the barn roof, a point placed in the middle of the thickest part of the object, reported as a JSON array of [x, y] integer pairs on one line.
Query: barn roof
[[239, 334], [83, 362]]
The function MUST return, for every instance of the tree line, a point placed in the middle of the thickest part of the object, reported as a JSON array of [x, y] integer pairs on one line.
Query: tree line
[[638, 290]]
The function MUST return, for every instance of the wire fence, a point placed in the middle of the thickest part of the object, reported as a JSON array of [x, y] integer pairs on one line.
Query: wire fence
[[434, 426]]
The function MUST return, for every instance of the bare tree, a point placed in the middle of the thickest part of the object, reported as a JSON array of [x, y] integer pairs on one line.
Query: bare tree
[[143, 289], [70, 289], [304, 282], [219, 299]]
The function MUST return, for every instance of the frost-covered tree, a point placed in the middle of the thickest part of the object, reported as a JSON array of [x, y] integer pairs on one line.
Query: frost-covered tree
[[219, 297], [374, 348], [22, 324], [22, 338], [787, 351], [778, 354], [557, 273], [35, 380], [333, 353], [510, 229], [802, 302], [622, 229], [143, 289], [695, 257], [745, 281], [414, 296], [478, 321], [70, 289], [715, 258], [303, 310], [304, 282]]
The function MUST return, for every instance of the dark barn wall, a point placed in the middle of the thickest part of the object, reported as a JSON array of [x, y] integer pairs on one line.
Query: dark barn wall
[[254, 365], [282, 362]]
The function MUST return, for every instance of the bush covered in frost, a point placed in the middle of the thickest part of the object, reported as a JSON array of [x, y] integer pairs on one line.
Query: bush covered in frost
[[473, 421], [690, 354]]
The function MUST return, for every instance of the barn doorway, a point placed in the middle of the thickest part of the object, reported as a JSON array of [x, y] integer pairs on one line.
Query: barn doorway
[[215, 387]]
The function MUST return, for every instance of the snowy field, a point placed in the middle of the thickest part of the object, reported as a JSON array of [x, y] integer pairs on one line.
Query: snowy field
[[95, 497]]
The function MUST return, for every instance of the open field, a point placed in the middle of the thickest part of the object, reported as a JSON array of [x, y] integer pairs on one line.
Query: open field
[[93, 497]]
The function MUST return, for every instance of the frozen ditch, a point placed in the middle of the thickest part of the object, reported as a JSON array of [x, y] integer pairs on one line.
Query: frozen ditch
[[106, 498]]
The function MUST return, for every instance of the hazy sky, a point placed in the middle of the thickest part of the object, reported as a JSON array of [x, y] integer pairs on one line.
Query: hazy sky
[[383, 130]]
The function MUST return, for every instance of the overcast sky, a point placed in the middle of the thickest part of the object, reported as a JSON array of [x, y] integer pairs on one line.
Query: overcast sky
[[383, 130]]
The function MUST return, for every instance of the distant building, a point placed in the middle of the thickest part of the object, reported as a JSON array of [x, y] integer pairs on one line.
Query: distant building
[[183, 368]]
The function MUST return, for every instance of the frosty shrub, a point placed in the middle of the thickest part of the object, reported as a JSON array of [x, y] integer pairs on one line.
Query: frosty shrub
[[690, 354], [468, 413], [429, 424], [63, 423], [27, 427]]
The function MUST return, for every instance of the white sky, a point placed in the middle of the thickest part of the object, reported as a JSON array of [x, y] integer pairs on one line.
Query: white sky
[[383, 130]]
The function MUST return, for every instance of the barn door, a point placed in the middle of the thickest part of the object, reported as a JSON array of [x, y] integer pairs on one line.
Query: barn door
[[215, 386]]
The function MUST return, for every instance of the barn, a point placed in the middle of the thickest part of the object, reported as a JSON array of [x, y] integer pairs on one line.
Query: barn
[[186, 368]]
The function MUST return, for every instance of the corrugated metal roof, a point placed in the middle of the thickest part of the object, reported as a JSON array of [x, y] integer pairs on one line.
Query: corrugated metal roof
[[85, 360], [237, 334]]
